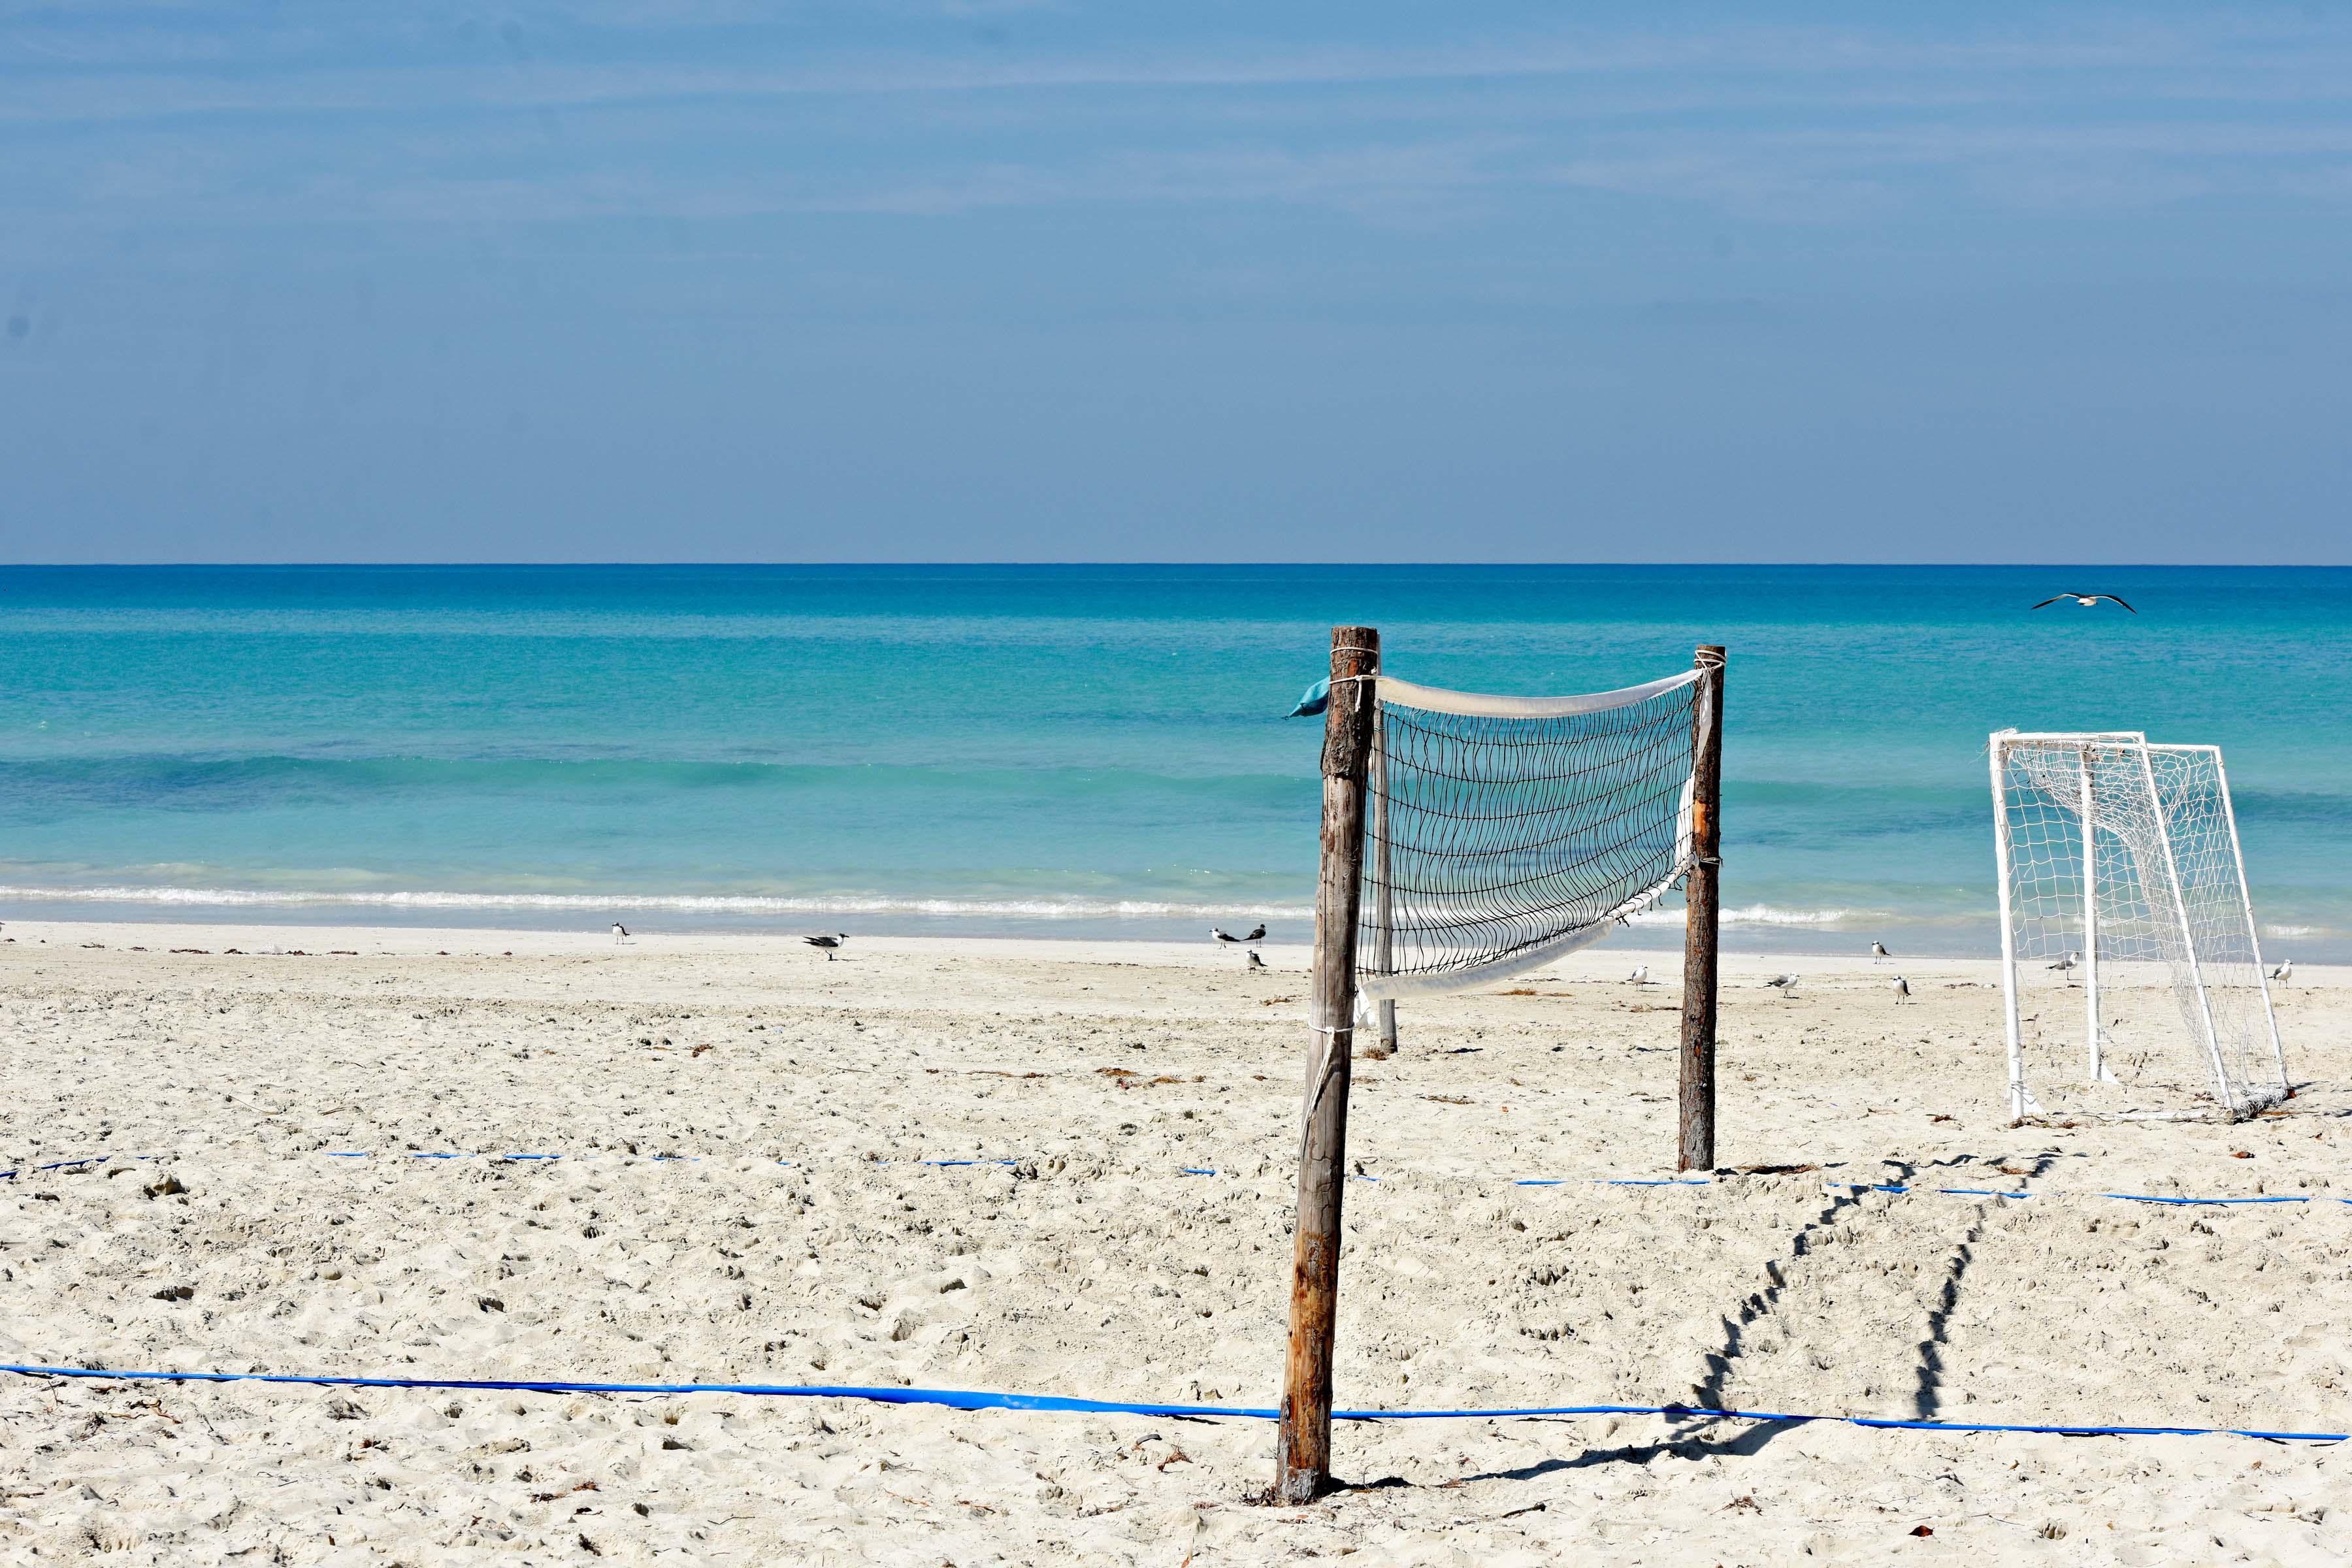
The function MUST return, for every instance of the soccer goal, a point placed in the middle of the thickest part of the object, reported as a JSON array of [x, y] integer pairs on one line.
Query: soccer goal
[[1468, 839], [2132, 978]]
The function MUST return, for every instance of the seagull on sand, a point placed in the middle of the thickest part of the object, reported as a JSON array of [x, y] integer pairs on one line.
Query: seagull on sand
[[1785, 984], [1878, 952], [2085, 600], [1255, 960], [2283, 973], [2066, 965], [1258, 934], [1640, 976], [830, 944], [620, 933], [1228, 938], [1902, 990]]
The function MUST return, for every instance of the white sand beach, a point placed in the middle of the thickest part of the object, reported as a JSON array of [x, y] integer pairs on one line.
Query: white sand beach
[[261, 1206]]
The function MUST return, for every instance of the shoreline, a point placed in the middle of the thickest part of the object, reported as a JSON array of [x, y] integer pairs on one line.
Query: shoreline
[[1606, 963], [1749, 928]]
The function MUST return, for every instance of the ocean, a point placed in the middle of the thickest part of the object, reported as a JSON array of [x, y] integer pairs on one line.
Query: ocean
[[1072, 750]]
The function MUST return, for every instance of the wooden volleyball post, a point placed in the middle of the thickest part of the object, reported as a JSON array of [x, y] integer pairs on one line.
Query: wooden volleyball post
[[1701, 894], [1302, 1465]]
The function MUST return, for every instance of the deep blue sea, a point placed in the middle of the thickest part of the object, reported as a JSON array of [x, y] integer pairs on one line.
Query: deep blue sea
[[1071, 749]]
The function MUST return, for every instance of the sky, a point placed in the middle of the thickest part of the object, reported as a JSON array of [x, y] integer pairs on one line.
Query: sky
[[712, 280]]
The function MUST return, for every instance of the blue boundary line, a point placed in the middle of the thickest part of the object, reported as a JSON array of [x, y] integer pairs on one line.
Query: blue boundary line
[[1611, 1182], [1209, 1171], [2126, 1198], [2146, 1198], [972, 1399], [68, 1165]]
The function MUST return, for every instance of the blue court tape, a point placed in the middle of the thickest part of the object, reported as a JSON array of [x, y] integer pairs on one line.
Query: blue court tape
[[2126, 1198], [70, 1164], [1206, 1170], [1652, 1182], [1950, 1192], [2145, 1198], [968, 1399]]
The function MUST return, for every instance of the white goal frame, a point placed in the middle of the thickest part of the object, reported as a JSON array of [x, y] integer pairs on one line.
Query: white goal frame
[[2217, 956]]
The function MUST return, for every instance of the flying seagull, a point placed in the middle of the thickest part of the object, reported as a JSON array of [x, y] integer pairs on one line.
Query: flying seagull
[[2066, 965], [831, 943], [2085, 600], [1878, 950], [1255, 960], [620, 933], [1640, 976], [2283, 973], [1785, 984], [1902, 990]]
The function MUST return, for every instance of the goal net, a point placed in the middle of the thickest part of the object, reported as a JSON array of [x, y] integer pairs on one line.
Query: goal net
[[1502, 833], [2131, 972]]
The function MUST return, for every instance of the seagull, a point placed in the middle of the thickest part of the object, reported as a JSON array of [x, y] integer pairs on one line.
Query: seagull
[[829, 943], [1640, 976], [2283, 973], [1257, 935], [1224, 936], [1255, 960], [620, 933], [1786, 984], [2085, 600], [2066, 965], [1902, 990], [1878, 950]]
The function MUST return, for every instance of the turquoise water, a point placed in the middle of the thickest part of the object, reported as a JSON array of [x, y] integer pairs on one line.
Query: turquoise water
[[1068, 749]]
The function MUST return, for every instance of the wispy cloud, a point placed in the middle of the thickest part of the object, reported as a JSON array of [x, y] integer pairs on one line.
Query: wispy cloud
[[59, 84], [145, 116]]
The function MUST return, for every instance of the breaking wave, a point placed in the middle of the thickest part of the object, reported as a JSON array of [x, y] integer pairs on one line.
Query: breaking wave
[[1047, 909]]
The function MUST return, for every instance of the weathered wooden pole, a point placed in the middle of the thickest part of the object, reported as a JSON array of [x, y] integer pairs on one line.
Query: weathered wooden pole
[[1302, 1465], [1701, 894]]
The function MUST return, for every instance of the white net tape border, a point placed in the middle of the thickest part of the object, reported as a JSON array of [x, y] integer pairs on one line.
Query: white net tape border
[[1480, 705]]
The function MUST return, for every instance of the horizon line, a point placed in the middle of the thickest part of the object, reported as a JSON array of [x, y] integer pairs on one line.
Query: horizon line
[[1179, 565]]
